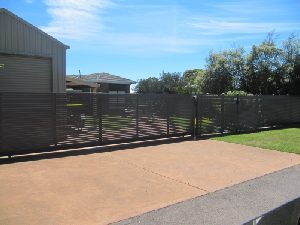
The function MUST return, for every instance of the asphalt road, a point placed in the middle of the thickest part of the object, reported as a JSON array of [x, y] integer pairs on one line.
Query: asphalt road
[[231, 206]]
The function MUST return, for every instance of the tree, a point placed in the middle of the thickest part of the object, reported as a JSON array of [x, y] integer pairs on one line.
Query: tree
[[235, 93], [235, 65], [296, 84], [149, 85], [217, 79], [264, 68], [171, 82], [192, 82], [224, 71], [167, 83], [291, 54]]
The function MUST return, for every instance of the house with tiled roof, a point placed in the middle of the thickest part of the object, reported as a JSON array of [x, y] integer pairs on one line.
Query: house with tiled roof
[[105, 83]]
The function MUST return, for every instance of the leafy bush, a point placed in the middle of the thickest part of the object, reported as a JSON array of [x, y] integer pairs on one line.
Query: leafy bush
[[236, 92]]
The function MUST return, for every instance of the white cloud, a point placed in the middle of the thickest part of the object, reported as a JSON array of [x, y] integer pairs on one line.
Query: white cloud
[[150, 43], [90, 5], [155, 31], [103, 25], [221, 27], [242, 17], [75, 19], [246, 7]]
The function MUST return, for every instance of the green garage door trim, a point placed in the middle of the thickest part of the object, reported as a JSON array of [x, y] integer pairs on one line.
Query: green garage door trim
[[25, 74]]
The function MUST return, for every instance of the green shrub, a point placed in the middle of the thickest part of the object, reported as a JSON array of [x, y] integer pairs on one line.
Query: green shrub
[[236, 92]]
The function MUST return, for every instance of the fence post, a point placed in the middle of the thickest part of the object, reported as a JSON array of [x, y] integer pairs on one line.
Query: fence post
[[100, 125], [288, 119], [199, 115], [237, 113], [262, 113], [257, 112], [137, 116], [54, 133], [222, 113], [168, 116], [195, 117], [1, 124]]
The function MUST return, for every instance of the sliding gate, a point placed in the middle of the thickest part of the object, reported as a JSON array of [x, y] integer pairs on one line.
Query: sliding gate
[[32, 122]]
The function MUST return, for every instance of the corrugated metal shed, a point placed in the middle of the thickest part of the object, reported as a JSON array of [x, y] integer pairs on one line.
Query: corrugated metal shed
[[25, 74], [20, 39]]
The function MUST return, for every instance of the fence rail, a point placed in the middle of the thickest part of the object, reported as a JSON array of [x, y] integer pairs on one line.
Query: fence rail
[[32, 122]]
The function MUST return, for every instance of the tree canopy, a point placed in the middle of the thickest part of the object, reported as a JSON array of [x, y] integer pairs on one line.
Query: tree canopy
[[266, 69]]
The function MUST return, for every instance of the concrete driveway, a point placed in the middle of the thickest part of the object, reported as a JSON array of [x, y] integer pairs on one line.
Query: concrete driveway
[[107, 187]]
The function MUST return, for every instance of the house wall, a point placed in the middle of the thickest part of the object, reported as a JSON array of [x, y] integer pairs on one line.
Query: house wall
[[17, 37], [119, 87], [103, 88], [106, 88], [83, 88]]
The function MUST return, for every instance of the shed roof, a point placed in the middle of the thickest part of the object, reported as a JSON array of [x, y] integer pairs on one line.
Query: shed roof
[[3, 10], [103, 78]]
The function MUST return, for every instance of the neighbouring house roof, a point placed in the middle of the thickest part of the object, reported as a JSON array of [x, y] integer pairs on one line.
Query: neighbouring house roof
[[103, 78], [3, 10], [72, 82]]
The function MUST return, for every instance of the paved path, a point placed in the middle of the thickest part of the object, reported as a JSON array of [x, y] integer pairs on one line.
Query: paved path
[[235, 205], [107, 187]]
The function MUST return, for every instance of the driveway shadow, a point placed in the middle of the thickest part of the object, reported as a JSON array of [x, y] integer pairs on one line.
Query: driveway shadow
[[90, 150]]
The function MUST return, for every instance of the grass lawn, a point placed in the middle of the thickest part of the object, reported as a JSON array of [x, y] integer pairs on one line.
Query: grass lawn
[[284, 140], [182, 122], [116, 122]]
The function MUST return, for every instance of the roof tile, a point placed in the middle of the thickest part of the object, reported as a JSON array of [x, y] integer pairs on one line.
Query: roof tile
[[103, 78]]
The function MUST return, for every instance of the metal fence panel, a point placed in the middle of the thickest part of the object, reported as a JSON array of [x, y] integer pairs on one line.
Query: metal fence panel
[[209, 114], [152, 119], [280, 109], [36, 122], [118, 113], [231, 120], [248, 113], [80, 119], [180, 113], [26, 121]]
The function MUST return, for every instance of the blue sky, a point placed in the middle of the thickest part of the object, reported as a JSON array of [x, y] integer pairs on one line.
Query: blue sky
[[137, 39]]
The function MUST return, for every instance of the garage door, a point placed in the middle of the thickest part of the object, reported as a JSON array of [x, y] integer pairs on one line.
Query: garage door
[[25, 74]]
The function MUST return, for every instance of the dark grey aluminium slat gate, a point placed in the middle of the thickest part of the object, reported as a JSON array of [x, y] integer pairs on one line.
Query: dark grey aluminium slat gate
[[37, 122], [40, 122], [26, 121]]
